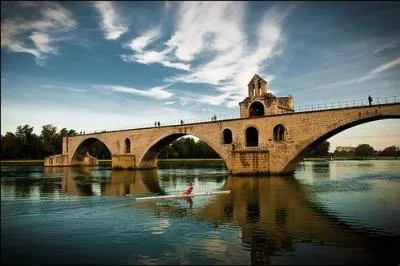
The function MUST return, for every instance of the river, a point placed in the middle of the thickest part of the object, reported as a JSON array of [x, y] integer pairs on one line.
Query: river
[[328, 212]]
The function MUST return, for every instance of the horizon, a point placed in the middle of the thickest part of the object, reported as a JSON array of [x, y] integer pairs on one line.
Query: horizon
[[97, 65]]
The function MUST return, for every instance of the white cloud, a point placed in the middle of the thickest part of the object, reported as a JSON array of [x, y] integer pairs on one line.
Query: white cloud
[[110, 24], [17, 35], [385, 66], [158, 92], [63, 87], [139, 43], [216, 29], [371, 74]]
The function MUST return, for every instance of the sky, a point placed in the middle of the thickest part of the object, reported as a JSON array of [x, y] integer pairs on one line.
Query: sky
[[112, 65]]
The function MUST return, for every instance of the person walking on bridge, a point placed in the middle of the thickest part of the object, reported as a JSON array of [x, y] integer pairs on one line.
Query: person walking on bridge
[[369, 99]]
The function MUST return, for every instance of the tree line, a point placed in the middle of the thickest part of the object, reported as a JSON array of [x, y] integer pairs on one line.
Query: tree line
[[362, 150], [25, 144]]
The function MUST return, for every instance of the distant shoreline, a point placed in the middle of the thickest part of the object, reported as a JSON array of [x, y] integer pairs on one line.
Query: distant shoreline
[[16, 161]]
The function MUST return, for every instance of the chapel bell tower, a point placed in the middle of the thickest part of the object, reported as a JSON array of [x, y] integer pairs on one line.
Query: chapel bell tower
[[260, 103]]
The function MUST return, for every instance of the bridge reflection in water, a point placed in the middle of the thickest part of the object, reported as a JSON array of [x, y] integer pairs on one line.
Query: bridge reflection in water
[[274, 214]]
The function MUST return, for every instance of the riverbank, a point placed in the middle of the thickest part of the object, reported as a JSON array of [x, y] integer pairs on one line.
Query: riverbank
[[352, 158]]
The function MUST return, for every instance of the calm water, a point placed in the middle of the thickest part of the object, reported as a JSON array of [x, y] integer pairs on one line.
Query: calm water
[[341, 212]]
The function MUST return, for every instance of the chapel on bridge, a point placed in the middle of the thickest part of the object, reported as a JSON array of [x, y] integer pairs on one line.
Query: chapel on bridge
[[260, 102]]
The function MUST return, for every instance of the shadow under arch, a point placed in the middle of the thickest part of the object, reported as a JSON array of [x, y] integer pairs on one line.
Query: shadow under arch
[[157, 146], [82, 156], [308, 146]]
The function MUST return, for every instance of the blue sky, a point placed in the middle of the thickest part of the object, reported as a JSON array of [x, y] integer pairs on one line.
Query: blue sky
[[110, 65]]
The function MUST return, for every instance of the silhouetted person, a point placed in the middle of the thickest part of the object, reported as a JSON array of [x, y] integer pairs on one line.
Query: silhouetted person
[[158, 123], [181, 122], [369, 99], [155, 124]]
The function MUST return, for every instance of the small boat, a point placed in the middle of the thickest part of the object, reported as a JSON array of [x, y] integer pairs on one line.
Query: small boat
[[184, 196]]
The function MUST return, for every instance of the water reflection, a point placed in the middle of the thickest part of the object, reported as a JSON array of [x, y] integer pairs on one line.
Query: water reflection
[[274, 214], [111, 183]]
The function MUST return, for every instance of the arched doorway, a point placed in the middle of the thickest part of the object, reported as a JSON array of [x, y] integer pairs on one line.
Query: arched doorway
[[279, 133], [251, 137], [127, 145], [256, 109], [227, 135]]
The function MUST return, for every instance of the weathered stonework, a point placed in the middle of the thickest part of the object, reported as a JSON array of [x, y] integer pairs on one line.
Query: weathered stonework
[[282, 139], [123, 161]]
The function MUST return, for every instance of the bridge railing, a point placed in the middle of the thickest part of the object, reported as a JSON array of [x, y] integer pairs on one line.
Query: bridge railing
[[303, 108], [348, 103]]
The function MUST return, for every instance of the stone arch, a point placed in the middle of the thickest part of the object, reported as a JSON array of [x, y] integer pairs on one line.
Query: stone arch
[[227, 136], [314, 141], [153, 150], [280, 132], [127, 146], [80, 154], [251, 137], [256, 109]]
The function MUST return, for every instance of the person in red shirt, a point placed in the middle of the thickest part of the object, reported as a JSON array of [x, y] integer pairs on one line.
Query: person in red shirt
[[189, 190]]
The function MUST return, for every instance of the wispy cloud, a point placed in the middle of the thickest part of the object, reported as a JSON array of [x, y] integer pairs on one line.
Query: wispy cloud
[[158, 92], [390, 45], [37, 37], [385, 67], [371, 74], [216, 31], [68, 88], [139, 43], [110, 23]]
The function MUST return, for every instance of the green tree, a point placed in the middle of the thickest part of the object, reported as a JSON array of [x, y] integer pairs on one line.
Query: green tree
[[49, 139], [364, 150], [321, 150], [10, 148], [392, 151], [30, 145]]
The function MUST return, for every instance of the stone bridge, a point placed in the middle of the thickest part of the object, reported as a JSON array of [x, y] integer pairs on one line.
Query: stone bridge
[[268, 138]]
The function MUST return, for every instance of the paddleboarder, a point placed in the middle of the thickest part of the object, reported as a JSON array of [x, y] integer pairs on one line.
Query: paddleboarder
[[189, 190]]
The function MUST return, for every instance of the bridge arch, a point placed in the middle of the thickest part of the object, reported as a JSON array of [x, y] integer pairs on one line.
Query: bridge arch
[[151, 153], [256, 108], [80, 154], [315, 140]]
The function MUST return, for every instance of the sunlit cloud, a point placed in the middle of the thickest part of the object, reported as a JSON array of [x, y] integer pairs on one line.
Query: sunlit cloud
[[158, 92], [37, 37], [218, 30], [110, 22]]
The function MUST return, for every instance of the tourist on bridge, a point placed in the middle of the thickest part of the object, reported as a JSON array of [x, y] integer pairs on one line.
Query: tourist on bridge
[[181, 122], [369, 99], [158, 123], [188, 191]]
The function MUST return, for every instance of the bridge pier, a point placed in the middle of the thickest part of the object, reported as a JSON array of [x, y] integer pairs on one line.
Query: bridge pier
[[123, 161], [64, 160], [250, 161], [57, 160]]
